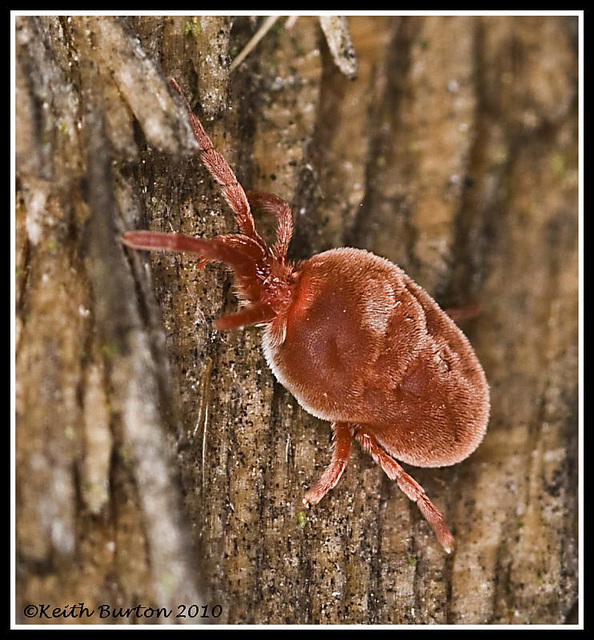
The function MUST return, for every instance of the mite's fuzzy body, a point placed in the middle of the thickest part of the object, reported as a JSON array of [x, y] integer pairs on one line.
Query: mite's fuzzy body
[[352, 337], [366, 345]]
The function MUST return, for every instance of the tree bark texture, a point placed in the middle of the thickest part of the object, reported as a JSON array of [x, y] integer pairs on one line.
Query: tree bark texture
[[157, 460]]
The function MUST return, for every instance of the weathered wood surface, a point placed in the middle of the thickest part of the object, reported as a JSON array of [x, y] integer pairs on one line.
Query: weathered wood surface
[[158, 462]]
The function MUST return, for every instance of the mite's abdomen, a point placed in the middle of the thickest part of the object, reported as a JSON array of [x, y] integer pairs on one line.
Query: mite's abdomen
[[366, 345], [443, 398]]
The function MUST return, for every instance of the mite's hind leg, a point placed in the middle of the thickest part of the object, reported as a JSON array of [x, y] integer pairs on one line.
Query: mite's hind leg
[[340, 457], [408, 486], [468, 311]]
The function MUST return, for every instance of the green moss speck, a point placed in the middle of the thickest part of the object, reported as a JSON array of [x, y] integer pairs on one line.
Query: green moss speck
[[192, 28], [301, 519], [110, 349], [558, 163]]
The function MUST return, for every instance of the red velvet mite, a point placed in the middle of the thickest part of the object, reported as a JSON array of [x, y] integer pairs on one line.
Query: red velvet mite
[[352, 337]]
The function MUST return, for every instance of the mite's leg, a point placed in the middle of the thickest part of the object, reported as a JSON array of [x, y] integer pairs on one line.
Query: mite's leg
[[233, 249], [241, 253], [221, 171], [154, 241], [340, 457], [465, 312], [254, 314], [284, 218], [408, 486]]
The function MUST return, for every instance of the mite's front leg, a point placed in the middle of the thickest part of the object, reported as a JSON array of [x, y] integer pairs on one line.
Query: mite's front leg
[[340, 457], [281, 210], [253, 314], [412, 489]]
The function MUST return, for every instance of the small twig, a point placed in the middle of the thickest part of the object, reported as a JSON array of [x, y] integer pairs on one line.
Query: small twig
[[250, 46], [290, 23], [202, 422], [336, 32]]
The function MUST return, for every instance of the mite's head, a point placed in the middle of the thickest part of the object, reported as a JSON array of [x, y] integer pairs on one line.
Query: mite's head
[[264, 279]]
